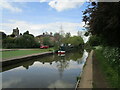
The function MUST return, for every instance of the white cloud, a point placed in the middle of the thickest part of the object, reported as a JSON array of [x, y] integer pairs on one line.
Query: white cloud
[[12, 81], [38, 29], [7, 5], [28, 0], [43, 0], [61, 5], [60, 84]]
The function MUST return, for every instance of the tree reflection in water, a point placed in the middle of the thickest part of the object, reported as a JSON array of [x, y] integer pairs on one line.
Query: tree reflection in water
[[46, 71], [26, 65], [62, 64], [61, 60]]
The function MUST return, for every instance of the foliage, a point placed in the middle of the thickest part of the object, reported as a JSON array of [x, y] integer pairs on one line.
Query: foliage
[[104, 21], [56, 46], [8, 42], [24, 41], [29, 41], [86, 34], [2, 35], [58, 38], [88, 47], [65, 40], [67, 35], [76, 41], [47, 41], [27, 32], [12, 35], [112, 55], [94, 40], [108, 59]]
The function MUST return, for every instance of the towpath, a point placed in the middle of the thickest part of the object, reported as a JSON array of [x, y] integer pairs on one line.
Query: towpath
[[87, 75]]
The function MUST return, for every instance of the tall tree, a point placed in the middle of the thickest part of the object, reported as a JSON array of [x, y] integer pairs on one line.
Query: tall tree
[[103, 20], [76, 41]]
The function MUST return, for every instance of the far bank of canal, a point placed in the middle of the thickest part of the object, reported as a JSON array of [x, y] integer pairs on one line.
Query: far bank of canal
[[51, 71]]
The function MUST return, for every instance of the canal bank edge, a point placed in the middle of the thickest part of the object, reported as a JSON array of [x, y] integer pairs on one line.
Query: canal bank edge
[[11, 61], [86, 80]]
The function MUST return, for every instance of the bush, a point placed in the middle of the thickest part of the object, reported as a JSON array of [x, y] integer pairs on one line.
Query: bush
[[24, 41], [94, 41], [109, 61], [112, 55]]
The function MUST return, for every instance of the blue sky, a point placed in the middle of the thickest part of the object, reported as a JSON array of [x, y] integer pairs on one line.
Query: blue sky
[[37, 12], [42, 16]]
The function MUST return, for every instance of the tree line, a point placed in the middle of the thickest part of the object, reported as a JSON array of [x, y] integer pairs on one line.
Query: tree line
[[102, 23], [27, 40], [23, 41]]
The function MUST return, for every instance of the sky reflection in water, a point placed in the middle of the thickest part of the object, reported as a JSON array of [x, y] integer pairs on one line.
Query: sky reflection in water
[[48, 72]]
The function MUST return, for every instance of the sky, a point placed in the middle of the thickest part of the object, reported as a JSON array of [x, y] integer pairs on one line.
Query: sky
[[38, 16]]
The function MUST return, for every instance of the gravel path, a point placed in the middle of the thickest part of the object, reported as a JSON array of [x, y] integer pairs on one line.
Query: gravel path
[[87, 75], [92, 76]]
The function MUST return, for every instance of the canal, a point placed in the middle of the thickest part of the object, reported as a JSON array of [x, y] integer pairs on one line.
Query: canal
[[53, 71]]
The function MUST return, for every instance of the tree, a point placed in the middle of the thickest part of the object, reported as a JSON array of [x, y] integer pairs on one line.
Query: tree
[[12, 35], [51, 33], [20, 34], [86, 34], [46, 40], [76, 41], [94, 41], [25, 41], [27, 32], [66, 38], [67, 35], [104, 21], [2, 35], [8, 42], [58, 38]]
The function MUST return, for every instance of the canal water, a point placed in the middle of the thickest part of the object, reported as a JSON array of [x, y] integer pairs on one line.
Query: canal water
[[53, 71]]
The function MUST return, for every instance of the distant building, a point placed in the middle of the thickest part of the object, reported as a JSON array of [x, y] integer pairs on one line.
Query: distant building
[[39, 38], [16, 32]]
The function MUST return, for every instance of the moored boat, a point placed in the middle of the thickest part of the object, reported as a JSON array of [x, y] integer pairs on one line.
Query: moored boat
[[61, 52]]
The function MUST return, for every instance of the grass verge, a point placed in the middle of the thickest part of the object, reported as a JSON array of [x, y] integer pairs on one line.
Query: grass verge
[[109, 72], [17, 53]]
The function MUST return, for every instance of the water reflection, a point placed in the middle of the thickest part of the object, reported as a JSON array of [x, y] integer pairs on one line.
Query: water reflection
[[61, 55], [62, 64], [59, 84], [50, 71]]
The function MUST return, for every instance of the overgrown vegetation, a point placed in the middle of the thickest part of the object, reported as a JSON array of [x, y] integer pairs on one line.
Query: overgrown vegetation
[[23, 41], [103, 25], [103, 21], [29, 41], [107, 58]]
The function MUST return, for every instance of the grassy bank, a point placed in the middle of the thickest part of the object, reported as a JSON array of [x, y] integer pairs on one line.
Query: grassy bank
[[17, 53], [108, 65]]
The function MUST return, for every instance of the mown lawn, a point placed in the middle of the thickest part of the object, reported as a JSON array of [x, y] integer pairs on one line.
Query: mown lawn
[[12, 54]]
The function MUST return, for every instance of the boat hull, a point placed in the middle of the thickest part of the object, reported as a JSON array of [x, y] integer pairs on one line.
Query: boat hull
[[61, 52]]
